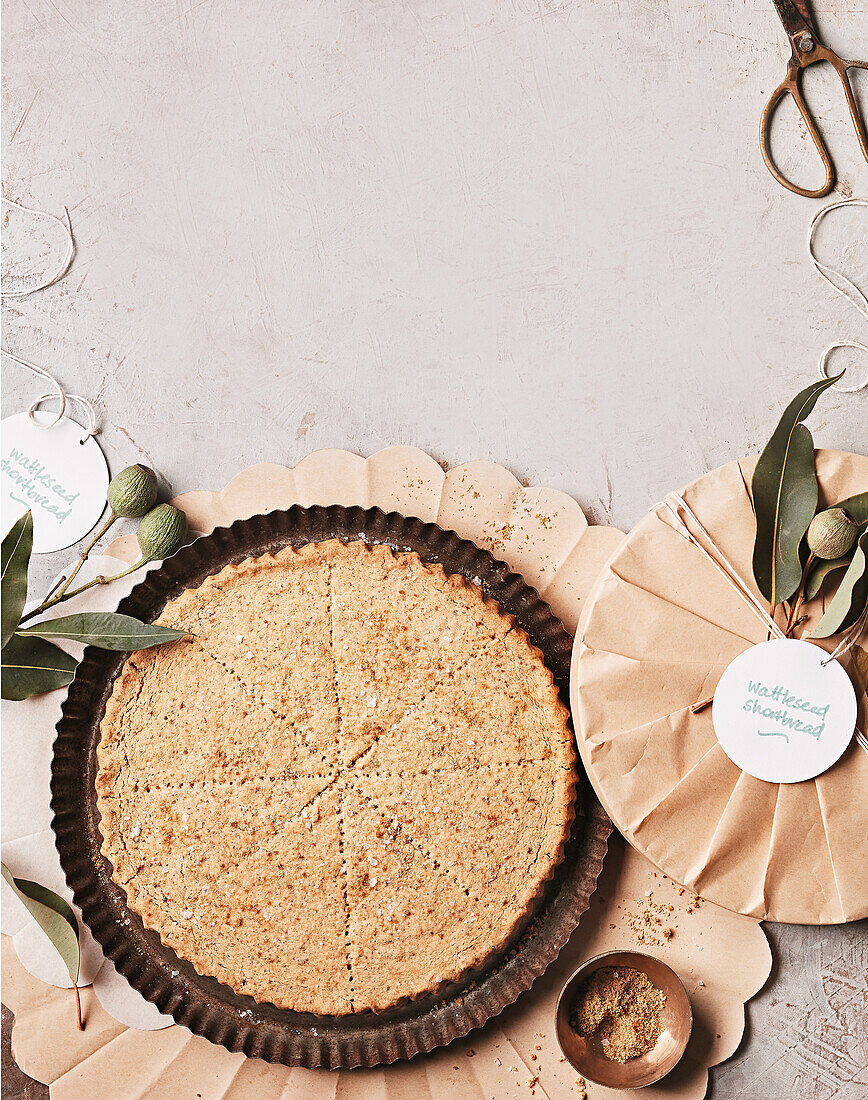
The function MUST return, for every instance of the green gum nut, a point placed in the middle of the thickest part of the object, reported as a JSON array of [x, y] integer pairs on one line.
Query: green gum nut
[[162, 532], [831, 534], [133, 492]]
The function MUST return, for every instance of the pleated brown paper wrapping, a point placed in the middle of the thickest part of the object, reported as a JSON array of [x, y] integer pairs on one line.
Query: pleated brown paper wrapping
[[661, 626]]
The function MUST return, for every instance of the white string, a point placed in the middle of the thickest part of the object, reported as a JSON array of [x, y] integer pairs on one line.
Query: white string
[[849, 638], [59, 393], [844, 646], [839, 282], [721, 563], [728, 570], [49, 280], [62, 396], [857, 299]]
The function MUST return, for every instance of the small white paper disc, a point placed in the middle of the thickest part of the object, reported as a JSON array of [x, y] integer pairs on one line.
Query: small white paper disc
[[59, 473], [780, 714]]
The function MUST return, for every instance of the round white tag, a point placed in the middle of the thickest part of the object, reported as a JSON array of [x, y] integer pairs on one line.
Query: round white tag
[[59, 473], [782, 715]]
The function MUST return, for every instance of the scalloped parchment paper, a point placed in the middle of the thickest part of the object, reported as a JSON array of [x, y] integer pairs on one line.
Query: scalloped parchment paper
[[722, 958]]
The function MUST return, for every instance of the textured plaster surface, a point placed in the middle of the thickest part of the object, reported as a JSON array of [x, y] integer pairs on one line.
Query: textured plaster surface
[[537, 231]]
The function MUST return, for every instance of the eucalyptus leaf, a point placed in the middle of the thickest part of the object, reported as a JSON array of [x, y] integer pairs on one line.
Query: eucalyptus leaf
[[105, 629], [856, 507], [53, 915], [860, 598], [784, 490], [849, 600], [17, 548], [32, 666], [819, 573]]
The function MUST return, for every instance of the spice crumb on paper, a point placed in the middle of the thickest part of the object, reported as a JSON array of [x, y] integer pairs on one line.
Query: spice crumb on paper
[[654, 922]]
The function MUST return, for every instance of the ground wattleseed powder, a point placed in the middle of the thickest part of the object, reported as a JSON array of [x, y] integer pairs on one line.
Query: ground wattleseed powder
[[620, 1008]]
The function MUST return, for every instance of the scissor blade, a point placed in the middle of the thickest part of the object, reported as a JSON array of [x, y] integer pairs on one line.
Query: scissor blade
[[795, 16]]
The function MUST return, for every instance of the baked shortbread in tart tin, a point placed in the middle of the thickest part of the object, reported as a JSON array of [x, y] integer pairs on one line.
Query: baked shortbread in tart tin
[[346, 788]]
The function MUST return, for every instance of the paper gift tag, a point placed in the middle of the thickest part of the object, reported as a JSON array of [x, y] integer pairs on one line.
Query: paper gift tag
[[783, 712], [59, 473]]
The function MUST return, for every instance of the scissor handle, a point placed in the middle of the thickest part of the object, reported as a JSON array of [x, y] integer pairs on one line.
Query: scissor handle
[[790, 85], [841, 66]]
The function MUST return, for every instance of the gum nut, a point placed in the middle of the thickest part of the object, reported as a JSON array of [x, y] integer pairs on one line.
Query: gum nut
[[162, 532], [831, 534], [133, 492]]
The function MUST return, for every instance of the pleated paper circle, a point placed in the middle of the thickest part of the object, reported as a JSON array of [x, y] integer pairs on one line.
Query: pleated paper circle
[[661, 627]]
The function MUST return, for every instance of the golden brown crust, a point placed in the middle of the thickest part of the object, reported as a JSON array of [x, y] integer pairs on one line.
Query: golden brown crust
[[395, 703]]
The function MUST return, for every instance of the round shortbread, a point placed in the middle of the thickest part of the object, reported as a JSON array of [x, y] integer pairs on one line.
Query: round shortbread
[[346, 787]]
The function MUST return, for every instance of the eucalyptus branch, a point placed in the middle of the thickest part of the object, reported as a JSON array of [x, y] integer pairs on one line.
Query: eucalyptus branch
[[107, 580], [852, 634], [63, 597], [61, 592], [55, 917], [82, 558], [78, 1006], [32, 662], [796, 605], [54, 587]]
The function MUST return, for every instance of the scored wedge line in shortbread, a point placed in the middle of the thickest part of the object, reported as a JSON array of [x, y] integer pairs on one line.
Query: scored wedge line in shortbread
[[386, 659], [212, 722], [291, 887], [470, 907], [340, 811], [370, 713], [210, 843], [458, 739], [345, 893]]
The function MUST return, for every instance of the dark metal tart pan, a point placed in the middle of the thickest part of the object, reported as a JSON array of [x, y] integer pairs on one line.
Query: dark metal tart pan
[[203, 1004]]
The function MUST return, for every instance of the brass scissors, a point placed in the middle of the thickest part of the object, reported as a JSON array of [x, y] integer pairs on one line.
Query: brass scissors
[[808, 50]]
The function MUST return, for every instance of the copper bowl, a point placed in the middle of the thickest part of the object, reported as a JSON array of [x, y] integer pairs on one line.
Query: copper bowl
[[677, 1019]]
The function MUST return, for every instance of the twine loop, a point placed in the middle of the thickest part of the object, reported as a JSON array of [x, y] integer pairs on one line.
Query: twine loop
[[58, 393], [839, 282]]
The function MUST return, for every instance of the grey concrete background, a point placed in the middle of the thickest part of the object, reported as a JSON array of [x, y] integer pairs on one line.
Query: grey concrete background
[[537, 231]]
